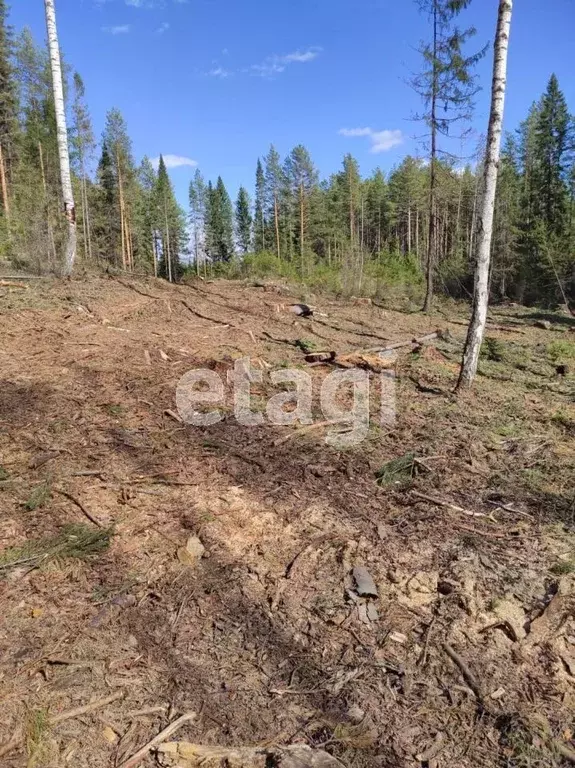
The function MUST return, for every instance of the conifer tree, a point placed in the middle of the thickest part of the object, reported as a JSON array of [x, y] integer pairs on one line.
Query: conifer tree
[[8, 111], [198, 203], [273, 191], [259, 233], [243, 220], [82, 145], [171, 226], [447, 89]]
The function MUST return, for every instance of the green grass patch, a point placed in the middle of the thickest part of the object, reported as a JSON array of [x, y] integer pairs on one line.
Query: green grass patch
[[39, 496], [563, 568], [3, 474], [400, 471], [561, 350]]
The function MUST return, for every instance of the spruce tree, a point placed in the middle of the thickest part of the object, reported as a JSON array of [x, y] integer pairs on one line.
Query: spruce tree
[[171, 226], [225, 244], [243, 220]]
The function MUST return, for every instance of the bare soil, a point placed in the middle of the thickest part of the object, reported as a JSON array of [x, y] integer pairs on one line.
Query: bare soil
[[265, 638]]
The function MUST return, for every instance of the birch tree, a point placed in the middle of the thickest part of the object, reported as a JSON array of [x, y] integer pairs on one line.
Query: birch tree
[[62, 135], [485, 219]]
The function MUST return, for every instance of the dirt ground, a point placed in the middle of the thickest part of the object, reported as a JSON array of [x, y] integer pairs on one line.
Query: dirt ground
[[466, 657]]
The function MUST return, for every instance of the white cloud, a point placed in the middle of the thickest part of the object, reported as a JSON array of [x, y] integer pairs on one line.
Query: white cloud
[[381, 141], [175, 161], [356, 132], [121, 29], [219, 72], [164, 26], [276, 64]]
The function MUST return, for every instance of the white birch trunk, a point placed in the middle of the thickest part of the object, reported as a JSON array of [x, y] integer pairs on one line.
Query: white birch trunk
[[485, 217], [62, 135]]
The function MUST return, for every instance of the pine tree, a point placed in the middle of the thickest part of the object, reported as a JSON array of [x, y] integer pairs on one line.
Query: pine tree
[[243, 220], [301, 178], [147, 216], [259, 234], [273, 189], [447, 89], [198, 203], [8, 111], [82, 145], [121, 191]]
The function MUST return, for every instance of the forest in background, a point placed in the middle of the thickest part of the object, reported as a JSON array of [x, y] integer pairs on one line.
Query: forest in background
[[348, 233]]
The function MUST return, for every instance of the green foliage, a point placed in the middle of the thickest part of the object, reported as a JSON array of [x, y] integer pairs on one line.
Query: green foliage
[[493, 349], [243, 218], [219, 223], [398, 471], [561, 350], [74, 540], [39, 496]]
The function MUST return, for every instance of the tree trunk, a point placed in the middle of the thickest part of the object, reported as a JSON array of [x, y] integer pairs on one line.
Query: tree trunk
[[5, 199], [168, 255], [62, 135], [155, 254], [46, 207], [277, 225], [485, 227], [122, 216], [301, 226], [430, 266]]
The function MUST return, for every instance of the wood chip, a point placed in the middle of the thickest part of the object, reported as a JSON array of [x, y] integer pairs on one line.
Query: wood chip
[[365, 585]]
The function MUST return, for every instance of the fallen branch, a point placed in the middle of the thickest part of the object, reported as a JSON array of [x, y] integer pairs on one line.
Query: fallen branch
[[80, 506], [205, 317], [18, 735], [235, 452], [304, 430], [10, 284], [448, 505], [399, 344], [138, 756], [468, 675]]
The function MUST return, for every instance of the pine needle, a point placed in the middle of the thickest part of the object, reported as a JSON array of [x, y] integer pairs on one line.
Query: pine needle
[[75, 540]]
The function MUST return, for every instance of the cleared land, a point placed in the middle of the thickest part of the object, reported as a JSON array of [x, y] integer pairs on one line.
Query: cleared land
[[469, 538]]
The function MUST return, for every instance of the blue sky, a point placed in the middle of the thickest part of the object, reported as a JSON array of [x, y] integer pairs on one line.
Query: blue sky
[[216, 81]]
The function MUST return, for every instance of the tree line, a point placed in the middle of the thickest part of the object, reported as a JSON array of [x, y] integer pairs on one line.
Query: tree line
[[417, 223]]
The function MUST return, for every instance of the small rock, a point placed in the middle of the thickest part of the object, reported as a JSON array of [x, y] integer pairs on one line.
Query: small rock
[[192, 553], [545, 324], [398, 637], [372, 613], [498, 693], [365, 584], [393, 576], [382, 531], [109, 734]]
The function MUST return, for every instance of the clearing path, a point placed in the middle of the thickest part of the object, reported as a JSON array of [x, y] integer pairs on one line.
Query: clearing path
[[425, 618]]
